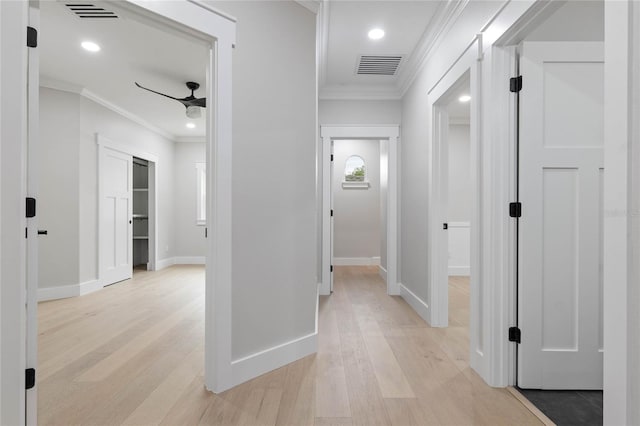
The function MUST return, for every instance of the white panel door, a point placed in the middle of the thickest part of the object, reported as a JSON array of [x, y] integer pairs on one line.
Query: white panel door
[[116, 237], [560, 231]]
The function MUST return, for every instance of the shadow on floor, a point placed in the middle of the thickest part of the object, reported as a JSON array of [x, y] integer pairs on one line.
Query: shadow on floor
[[567, 407]]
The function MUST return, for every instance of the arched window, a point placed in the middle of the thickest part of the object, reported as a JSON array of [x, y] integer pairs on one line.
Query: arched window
[[354, 170]]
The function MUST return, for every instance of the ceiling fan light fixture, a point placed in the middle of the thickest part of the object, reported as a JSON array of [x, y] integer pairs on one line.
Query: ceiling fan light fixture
[[193, 112]]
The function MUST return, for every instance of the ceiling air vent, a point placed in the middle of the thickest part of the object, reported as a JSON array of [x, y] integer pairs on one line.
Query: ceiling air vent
[[90, 11], [378, 64]]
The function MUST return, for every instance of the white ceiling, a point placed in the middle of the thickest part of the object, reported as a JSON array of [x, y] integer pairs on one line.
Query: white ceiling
[[346, 24], [131, 51]]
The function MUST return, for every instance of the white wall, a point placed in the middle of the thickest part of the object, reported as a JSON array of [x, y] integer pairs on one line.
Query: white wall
[[359, 112], [459, 199], [69, 184], [356, 212], [384, 199], [189, 237], [58, 200], [274, 182]]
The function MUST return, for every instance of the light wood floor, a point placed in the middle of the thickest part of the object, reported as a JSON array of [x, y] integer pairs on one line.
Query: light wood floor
[[132, 354]]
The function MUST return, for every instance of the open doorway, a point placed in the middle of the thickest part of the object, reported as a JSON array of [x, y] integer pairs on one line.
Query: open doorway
[[559, 210], [378, 245], [116, 165], [458, 196]]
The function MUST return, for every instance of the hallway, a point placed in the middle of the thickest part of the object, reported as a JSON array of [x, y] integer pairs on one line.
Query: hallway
[[132, 354]]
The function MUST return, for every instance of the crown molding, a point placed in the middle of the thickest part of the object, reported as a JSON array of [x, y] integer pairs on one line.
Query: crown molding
[[323, 41], [190, 139], [367, 93], [52, 83], [442, 21], [440, 24], [127, 114], [63, 86], [312, 5]]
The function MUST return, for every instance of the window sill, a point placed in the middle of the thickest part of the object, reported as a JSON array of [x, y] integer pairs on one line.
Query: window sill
[[355, 185]]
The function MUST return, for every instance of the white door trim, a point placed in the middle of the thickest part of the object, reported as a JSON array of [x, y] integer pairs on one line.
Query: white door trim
[[103, 143], [438, 311], [219, 31], [391, 133]]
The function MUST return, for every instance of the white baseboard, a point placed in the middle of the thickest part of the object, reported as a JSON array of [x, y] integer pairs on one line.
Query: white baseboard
[[255, 365], [180, 260], [382, 272], [65, 291], [164, 263], [464, 271], [356, 261], [415, 302], [189, 260]]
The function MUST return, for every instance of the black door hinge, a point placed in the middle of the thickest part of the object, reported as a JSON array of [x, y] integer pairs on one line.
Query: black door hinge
[[445, 226], [31, 207], [331, 268], [514, 334], [29, 378], [32, 37], [515, 209], [206, 232], [332, 212], [331, 157], [515, 84]]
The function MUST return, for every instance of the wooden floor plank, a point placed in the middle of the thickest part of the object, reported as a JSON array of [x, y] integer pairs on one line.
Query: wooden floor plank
[[132, 354]]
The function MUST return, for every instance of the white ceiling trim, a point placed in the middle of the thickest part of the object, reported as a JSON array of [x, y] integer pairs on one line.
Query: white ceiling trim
[[190, 139], [441, 23], [371, 93], [312, 5], [127, 114], [323, 39], [52, 83]]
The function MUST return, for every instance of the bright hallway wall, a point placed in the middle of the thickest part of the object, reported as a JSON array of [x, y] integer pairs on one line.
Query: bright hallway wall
[[356, 211], [190, 241], [274, 238], [459, 199], [68, 201]]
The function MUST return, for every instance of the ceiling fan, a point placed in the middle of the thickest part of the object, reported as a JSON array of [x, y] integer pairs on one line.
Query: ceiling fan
[[191, 103]]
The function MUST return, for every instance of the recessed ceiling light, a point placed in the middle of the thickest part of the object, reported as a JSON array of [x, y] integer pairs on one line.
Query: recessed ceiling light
[[376, 34], [90, 46], [464, 98], [191, 125]]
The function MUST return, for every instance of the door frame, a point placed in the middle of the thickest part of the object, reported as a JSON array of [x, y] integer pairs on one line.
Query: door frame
[[330, 133], [194, 18], [106, 143], [440, 193]]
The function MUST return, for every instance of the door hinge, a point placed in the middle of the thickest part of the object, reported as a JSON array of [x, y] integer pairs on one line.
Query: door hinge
[[514, 334], [331, 157], [29, 378], [332, 212], [32, 37], [206, 232], [31, 207], [515, 209], [445, 226], [515, 84], [331, 269]]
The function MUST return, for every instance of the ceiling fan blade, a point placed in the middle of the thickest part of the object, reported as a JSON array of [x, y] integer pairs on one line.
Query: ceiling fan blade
[[158, 93], [199, 102]]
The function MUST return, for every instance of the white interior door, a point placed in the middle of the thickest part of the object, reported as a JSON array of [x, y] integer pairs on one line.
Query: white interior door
[[560, 242], [116, 229], [331, 237]]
